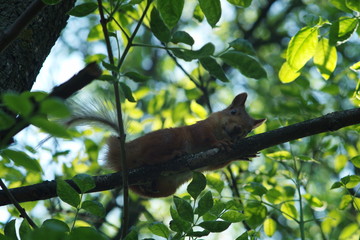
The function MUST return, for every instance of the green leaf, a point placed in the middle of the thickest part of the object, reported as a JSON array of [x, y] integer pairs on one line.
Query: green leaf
[[6, 121], [353, 5], [287, 73], [158, 27], [95, 57], [215, 182], [82, 233], [184, 209], [345, 180], [247, 65], [218, 208], [198, 109], [349, 232], [67, 193], [302, 47], [356, 161], [341, 30], [22, 159], [206, 202], [110, 67], [96, 34], [243, 45], [311, 19], [182, 37], [336, 185], [52, 128], [192, 233], [127, 92], [136, 77], [106, 77], [18, 103], [54, 107], [269, 227], [188, 55], [345, 201], [340, 162], [213, 68], [340, 4], [83, 10], [133, 235], [274, 196], [178, 224], [159, 229], [280, 155], [170, 11], [355, 66], [197, 185], [352, 181], [244, 236], [289, 211], [198, 14], [215, 226], [256, 188], [55, 224], [255, 213], [10, 230], [212, 10], [233, 216], [24, 229], [93, 207], [325, 58], [240, 3], [85, 182], [313, 201]]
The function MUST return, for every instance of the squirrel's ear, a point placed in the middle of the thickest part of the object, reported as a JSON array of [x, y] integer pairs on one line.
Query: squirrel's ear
[[239, 100], [258, 122]]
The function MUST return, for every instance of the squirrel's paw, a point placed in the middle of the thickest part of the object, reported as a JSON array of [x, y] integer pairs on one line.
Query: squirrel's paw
[[224, 145]]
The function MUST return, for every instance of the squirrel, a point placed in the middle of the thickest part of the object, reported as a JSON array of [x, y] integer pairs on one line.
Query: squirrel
[[219, 130]]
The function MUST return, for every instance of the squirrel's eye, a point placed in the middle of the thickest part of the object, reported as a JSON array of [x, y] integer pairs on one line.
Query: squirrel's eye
[[233, 111]]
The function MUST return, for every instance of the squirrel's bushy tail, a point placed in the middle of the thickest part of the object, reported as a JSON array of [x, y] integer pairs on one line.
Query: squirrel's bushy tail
[[92, 111]]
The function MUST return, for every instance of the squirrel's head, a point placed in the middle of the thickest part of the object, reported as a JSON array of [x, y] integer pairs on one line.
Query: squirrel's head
[[237, 123]]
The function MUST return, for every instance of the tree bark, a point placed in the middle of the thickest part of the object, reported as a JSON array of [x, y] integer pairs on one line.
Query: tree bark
[[22, 60], [245, 147]]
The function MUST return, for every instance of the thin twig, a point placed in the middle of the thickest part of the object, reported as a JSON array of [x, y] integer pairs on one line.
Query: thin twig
[[182, 68], [122, 136], [17, 205]]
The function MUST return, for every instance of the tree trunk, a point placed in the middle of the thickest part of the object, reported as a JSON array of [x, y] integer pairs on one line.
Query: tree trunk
[[22, 60]]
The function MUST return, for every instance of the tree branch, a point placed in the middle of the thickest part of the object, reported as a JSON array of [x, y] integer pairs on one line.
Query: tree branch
[[247, 146]]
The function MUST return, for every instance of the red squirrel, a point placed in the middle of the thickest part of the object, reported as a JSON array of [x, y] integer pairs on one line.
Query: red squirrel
[[219, 130]]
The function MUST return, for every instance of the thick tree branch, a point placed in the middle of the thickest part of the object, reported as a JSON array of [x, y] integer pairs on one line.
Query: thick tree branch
[[246, 146]]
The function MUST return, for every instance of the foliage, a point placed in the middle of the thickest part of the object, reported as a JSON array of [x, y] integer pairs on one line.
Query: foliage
[[171, 59]]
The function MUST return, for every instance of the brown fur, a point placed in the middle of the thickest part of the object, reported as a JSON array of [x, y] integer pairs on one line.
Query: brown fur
[[219, 130]]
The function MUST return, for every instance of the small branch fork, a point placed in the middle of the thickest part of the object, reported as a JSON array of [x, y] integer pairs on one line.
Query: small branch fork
[[245, 147]]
